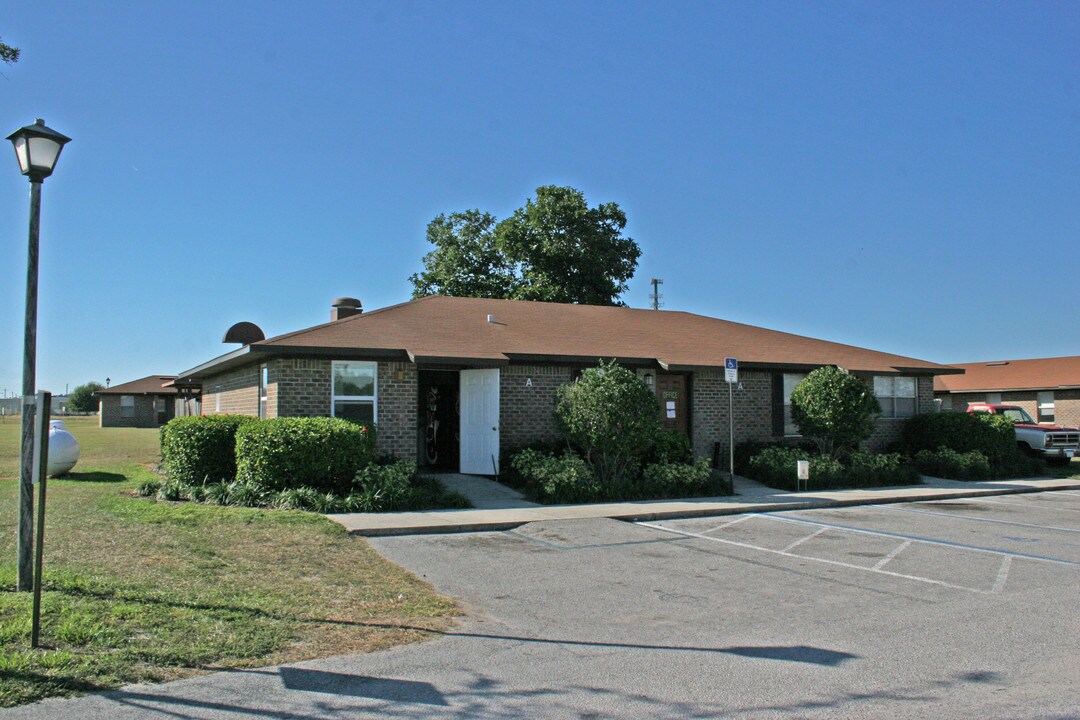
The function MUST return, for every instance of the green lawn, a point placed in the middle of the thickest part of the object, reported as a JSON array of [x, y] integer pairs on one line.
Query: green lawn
[[137, 590]]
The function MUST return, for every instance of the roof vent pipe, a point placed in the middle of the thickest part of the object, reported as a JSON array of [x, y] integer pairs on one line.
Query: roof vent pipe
[[344, 307], [491, 318]]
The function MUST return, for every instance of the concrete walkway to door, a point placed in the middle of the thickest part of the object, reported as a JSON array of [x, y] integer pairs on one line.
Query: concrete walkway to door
[[483, 493], [497, 507]]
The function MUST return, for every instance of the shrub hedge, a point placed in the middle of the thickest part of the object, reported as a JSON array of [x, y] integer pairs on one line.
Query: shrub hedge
[[776, 467], [201, 449], [992, 435], [320, 453], [556, 478], [947, 463]]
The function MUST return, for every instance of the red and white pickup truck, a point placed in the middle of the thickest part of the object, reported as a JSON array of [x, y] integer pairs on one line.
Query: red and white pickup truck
[[1047, 441]]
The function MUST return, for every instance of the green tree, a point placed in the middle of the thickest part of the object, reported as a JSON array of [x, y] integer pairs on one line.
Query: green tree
[[466, 261], [611, 417], [84, 398], [9, 54], [835, 407], [556, 248]]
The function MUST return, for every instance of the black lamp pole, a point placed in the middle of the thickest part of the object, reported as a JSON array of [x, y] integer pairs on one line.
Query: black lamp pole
[[37, 149]]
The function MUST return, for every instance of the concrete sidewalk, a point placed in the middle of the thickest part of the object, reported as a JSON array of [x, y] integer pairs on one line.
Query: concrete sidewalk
[[503, 509]]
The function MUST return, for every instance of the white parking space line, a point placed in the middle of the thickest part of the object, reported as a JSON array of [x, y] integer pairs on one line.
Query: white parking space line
[[1002, 576], [923, 540], [736, 521], [800, 541], [958, 516], [896, 551], [860, 568]]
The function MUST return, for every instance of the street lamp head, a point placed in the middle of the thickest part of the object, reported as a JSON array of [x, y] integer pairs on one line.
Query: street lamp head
[[37, 148]]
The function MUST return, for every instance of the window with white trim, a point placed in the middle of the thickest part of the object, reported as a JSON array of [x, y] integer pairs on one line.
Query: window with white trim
[[790, 381], [1046, 407], [897, 396], [354, 391], [127, 406], [159, 404]]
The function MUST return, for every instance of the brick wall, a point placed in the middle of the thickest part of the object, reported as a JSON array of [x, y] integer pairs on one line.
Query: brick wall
[[235, 392], [527, 411], [399, 401], [145, 416], [301, 387], [709, 409]]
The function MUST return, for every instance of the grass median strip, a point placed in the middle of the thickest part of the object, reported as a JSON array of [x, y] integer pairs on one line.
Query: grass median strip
[[136, 590]]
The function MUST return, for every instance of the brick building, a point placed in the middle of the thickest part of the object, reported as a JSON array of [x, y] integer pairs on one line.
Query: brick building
[[1047, 388], [139, 403], [455, 382]]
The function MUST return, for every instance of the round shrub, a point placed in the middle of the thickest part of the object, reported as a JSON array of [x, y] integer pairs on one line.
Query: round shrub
[[321, 453], [835, 406], [611, 417], [195, 450]]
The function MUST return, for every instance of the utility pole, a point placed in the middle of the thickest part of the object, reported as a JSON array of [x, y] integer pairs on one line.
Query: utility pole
[[655, 297]]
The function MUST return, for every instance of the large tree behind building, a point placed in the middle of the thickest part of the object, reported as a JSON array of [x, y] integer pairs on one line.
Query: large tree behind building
[[556, 248]]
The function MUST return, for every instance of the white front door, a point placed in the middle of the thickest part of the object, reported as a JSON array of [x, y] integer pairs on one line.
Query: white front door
[[480, 422]]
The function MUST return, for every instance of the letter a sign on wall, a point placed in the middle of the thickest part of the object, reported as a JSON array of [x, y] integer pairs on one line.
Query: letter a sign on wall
[[731, 370]]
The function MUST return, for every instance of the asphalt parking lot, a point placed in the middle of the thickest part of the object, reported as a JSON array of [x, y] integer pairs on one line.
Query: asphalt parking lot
[[959, 609]]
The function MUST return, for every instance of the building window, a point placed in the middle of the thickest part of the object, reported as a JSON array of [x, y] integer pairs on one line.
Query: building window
[[127, 406], [1046, 407], [896, 395], [217, 398], [264, 381], [993, 398], [790, 381], [159, 404], [354, 394]]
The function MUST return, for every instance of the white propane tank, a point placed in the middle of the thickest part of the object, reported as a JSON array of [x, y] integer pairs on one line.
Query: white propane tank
[[63, 449]]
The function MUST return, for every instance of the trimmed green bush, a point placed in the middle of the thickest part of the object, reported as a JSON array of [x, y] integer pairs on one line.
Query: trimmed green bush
[[679, 479], [669, 447], [611, 418], [321, 453], [866, 469], [836, 407], [195, 450], [556, 479], [947, 463], [776, 467], [992, 435]]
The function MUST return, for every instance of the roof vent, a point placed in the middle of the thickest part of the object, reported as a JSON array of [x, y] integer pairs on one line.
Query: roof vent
[[344, 307], [995, 364], [244, 333]]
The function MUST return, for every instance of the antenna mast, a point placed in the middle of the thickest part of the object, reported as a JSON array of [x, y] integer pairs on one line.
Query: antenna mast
[[655, 297]]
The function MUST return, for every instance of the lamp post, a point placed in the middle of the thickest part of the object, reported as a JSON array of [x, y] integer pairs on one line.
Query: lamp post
[[37, 149]]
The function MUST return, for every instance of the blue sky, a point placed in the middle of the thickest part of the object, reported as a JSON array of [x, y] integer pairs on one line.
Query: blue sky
[[900, 176]]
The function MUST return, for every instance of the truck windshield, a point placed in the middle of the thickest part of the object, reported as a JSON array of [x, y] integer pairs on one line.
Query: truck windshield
[[1017, 415]]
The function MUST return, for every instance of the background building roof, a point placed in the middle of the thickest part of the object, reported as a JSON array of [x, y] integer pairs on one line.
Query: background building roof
[[149, 385], [1036, 374]]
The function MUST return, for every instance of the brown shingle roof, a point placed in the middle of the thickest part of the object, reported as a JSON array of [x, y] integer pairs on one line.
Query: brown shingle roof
[[1036, 374], [149, 385], [456, 330]]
